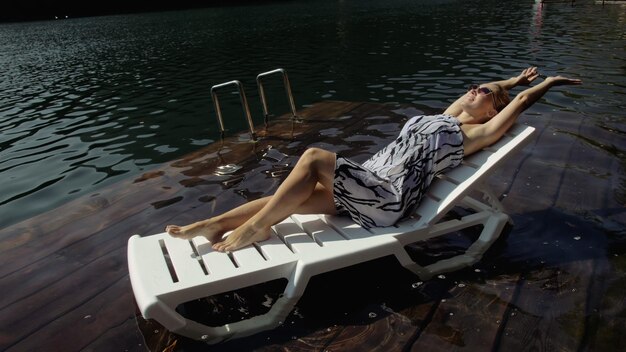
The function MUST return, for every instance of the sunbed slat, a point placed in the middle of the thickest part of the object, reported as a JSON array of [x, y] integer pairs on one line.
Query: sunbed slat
[[347, 227], [249, 257], [295, 237], [319, 230], [460, 173], [148, 264], [184, 260], [215, 262], [275, 250], [427, 209], [440, 188]]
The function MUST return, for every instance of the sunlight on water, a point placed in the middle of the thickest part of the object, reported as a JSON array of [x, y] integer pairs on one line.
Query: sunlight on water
[[86, 102]]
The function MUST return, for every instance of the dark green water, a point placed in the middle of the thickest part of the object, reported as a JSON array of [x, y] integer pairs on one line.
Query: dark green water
[[86, 102]]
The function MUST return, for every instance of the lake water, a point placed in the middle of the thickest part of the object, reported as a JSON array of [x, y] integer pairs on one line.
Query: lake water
[[87, 102]]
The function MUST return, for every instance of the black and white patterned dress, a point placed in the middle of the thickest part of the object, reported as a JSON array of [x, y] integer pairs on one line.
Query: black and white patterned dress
[[389, 186]]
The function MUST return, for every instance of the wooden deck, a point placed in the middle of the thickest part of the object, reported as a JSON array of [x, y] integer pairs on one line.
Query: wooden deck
[[555, 281]]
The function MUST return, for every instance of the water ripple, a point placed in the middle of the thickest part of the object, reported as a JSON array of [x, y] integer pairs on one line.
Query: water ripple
[[86, 101]]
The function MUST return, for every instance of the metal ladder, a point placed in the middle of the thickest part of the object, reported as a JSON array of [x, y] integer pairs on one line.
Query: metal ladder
[[244, 100]]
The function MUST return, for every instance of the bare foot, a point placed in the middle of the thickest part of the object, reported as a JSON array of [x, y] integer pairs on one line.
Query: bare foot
[[207, 228], [242, 236]]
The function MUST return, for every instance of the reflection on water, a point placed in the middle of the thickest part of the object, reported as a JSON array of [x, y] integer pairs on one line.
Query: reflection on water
[[86, 102]]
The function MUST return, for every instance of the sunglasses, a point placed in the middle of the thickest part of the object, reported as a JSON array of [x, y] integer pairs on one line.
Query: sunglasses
[[484, 91]]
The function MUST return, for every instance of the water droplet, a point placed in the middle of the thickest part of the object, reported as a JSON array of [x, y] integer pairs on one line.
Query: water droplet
[[417, 284], [372, 315], [577, 238], [227, 169], [443, 300], [461, 285], [204, 337], [441, 276], [573, 290], [497, 321], [274, 155], [545, 243], [87, 316], [156, 331], [513, 314], [294, 337], [476, 270], [451, 313]]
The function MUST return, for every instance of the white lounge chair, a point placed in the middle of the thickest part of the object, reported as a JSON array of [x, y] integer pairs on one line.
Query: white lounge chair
[[166, 271]]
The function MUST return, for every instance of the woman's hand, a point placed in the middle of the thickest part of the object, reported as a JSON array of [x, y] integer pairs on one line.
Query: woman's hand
[[527, 76], [562, 81]]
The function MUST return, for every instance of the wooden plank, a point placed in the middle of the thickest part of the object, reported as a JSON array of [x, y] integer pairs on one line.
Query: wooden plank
[[538, 323], [470, 315], [96, 322], [25, 317]]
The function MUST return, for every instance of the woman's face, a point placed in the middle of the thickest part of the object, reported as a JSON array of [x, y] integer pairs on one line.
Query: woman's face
[[479, 102]]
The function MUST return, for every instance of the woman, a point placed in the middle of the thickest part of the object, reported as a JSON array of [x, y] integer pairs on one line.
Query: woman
[[388, 186]]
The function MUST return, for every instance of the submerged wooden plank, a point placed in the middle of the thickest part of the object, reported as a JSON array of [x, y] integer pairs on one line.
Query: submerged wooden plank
[[469, 317], [537, 323], [114, 204], [46, 308], [70, 254]]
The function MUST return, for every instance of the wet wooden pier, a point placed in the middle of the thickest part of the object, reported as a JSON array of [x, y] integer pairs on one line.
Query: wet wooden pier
[[554, 281]]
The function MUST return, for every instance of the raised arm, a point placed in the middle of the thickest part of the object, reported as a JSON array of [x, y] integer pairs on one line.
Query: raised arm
[[483, 135], [523, 79]]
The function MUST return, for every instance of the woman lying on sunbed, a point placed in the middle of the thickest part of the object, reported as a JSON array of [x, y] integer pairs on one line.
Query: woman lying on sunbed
[[388, 186]]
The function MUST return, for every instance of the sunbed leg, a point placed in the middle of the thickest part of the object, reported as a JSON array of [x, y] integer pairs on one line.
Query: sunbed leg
[[493, 223], [270, 320], [490, 197], [212, 335]]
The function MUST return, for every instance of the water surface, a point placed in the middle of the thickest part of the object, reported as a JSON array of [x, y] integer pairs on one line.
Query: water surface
[[86, 102]]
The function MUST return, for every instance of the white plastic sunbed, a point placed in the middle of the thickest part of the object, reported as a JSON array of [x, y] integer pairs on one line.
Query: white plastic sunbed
[[166, 271]]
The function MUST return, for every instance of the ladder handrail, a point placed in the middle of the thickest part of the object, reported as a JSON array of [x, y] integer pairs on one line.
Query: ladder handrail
[[244, 103], [287, 89]]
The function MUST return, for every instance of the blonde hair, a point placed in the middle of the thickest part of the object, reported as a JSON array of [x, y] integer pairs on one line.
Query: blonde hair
[[501, 97]]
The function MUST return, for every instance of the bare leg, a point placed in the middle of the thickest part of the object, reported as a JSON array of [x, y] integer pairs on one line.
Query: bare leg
[[321, 201], [316, 166], [214, 228]]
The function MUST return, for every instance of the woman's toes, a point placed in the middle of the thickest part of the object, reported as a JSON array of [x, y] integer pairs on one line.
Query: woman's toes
[[172, 229]]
